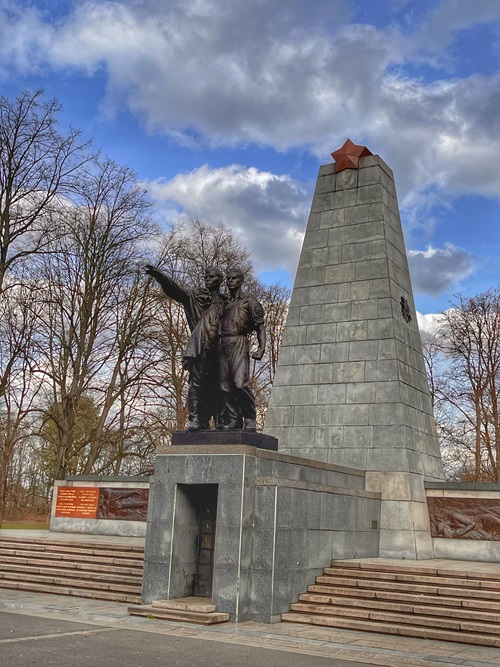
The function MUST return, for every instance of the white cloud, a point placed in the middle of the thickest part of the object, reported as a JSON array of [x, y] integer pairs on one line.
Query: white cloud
[[267, 211], [429, 323], [285, 73], [436, 270], [452, 16]]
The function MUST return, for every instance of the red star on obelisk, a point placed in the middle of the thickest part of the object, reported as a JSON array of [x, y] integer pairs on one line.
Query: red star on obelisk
[[348, 156]]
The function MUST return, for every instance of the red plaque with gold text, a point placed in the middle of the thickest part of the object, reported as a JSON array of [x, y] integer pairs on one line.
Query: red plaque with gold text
[[77, 502]]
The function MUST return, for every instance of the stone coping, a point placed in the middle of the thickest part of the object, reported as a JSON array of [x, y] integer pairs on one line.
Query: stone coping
[[77, 539], [464, 486], [322, 488], [107, 478], [247, 450]]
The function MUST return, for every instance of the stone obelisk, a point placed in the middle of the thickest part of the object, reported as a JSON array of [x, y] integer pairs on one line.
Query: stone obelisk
[[350, 386]]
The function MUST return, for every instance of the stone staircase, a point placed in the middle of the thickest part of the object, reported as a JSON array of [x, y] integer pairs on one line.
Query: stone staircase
[[72, 567], [188, 610], [459, 604]]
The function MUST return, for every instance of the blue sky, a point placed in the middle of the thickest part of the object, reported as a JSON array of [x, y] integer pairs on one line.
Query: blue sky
[[226, 108]]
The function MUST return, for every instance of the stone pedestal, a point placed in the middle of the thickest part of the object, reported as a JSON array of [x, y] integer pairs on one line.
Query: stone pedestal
[[350, 386], [225, 438], [280, 520]]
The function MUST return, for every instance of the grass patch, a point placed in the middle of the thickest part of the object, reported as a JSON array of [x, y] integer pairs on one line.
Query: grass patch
[[24, 525]]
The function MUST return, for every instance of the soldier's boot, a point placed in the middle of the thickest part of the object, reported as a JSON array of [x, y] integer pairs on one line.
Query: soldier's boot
[[232, 416], [250, 425], [192, 405]]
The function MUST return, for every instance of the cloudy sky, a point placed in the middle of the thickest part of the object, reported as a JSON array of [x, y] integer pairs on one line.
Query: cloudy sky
[[226, 108]]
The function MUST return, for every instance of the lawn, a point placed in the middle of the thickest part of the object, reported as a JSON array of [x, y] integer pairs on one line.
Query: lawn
[[24, 525]]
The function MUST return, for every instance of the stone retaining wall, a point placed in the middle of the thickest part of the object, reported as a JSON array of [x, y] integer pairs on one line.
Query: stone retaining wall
[[465, 520], [98, 505]]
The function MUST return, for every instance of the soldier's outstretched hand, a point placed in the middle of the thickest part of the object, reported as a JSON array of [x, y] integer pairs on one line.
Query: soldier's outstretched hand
[[152, 270]]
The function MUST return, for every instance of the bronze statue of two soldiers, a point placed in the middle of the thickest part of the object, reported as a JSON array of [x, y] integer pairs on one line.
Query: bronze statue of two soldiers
[[217, 356]]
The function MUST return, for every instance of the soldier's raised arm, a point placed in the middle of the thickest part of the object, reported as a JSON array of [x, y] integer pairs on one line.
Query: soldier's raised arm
[[168, 285]]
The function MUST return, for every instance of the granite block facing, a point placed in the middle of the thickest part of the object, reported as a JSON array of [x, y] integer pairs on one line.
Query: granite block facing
[[318, 374], [311, 314], [312, 415], [346, 179], [357, 458], [344, 198], [321, 548], [349, 371], [332, 219], [269, 541], [154, 582], [367, 542], [334, 352], [344, 542], [360, 290], [261, 597], [347, 331], [357, 437], [397, 544], [328, 437], [295, 336], [225, 591], [337, 312], [227, 553], [306, 394], [288, 375], [363, 350], [331, 394]]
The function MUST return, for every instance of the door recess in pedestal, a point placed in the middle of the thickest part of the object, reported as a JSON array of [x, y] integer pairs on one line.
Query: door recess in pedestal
[[206, 540]]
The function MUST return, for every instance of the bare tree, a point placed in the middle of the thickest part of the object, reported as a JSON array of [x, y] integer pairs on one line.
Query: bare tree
[[94, 305], [468, 390], [38, 165], [18, 388]]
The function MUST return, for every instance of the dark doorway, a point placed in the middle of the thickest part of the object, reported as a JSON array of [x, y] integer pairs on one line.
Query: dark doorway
[[207, 515]]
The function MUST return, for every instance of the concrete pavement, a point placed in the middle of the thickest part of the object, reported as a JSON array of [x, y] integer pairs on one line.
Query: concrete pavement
[[41, 628], [37, 641]]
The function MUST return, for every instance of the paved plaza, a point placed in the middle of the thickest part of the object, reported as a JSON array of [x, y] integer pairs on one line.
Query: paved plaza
[[37, 628]]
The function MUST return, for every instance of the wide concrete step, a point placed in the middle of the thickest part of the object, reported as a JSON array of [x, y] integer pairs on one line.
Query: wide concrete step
[[29, 570], [412, 606], [39, 587], [129, 548], [104, 571], [68, 548], [490, 624], [454, 603], [398, 596], [394, 629], [95, 558], [357, 576], [414, 587], [79, 583], [192, 603], [81, 566], [382, 567], [187, 610]]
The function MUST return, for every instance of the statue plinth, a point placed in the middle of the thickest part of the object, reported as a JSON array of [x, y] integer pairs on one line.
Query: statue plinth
[[217, 437]]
